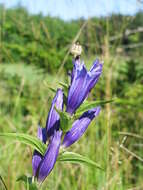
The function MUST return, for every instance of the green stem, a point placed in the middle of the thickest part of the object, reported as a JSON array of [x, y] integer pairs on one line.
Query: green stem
[[3, 182]]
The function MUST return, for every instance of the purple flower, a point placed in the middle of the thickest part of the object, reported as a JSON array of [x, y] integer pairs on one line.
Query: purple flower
[[80, 126], [42, 165], [53, 120], [37, 157], [82, 81], [50, 157]]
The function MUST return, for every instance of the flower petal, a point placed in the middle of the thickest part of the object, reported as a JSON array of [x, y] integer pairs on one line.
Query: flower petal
[[95, 65], [79, 75], [37, 157], [53, 120], [42, 134], [76, 65], [80, 126], [95, 73], [50, 156]]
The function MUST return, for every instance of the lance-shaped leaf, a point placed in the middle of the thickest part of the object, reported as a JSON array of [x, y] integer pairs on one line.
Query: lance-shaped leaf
[[89, 105], [77, 159], [52, 89], [26, 139], [65, 87]]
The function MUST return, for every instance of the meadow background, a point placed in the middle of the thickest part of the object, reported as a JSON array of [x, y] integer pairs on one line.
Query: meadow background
[[34, 56]]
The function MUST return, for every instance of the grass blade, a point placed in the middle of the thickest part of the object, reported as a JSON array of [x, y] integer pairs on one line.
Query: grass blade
[[3, 183]]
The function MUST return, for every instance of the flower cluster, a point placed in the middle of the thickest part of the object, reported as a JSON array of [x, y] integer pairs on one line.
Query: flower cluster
[[82, 81]]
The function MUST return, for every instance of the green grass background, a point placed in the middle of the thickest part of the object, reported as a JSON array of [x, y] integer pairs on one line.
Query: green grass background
[[33, 58]]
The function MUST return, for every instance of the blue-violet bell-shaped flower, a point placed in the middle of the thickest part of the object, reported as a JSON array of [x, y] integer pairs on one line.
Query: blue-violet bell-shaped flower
[[37, 157], [80, 126], [50, 157], [82, 81], [42, 165]]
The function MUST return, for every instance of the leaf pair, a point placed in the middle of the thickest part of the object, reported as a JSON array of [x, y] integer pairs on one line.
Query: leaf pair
[[40, 147]]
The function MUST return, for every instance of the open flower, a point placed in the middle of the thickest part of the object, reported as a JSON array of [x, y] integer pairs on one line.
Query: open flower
[[82, 81], [43, 165], [79, 127]]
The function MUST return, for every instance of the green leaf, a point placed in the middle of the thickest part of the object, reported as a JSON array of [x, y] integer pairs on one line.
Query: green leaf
[[28, 182], [130, 102], [77, 159], [34, 142], [65, 120], [65, 88], [64, 85], [52, 89], [25, 179], [88, 105]]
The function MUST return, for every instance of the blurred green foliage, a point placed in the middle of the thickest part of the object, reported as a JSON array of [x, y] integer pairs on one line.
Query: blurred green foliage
[[36, 39], [32, 50]]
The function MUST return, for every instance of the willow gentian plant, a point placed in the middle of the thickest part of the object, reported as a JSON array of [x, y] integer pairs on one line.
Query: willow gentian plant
[[68, 119], [82, 81]]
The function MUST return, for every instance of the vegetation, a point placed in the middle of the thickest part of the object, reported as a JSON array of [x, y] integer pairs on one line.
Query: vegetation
[[33, 59]]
